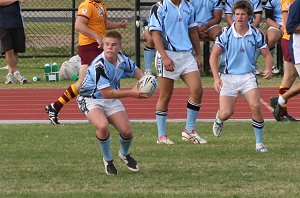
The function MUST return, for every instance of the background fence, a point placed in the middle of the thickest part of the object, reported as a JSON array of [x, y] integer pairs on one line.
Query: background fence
[[51, 35], [50, 31]]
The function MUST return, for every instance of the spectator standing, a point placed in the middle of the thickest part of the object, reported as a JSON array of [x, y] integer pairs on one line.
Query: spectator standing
[[12, 37]]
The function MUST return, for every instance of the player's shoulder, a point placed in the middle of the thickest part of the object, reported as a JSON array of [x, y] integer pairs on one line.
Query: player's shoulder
[[123, 57], [98, 61]]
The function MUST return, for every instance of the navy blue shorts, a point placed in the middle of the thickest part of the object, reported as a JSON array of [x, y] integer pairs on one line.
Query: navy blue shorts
[[12, 39]]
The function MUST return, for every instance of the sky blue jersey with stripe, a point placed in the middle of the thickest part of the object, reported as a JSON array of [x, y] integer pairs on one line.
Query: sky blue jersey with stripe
[[275, 5], [239, 53], [174, 23], [256, 5], [102, 74], [204, 9]]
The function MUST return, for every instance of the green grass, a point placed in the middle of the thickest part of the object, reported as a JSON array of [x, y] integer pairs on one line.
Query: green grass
[[41, 161]]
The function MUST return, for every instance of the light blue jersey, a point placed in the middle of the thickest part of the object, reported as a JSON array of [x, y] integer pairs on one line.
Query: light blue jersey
[[102, 74], [204, 9], [275, 5], [174, 24], [256, 5], [239, 53]]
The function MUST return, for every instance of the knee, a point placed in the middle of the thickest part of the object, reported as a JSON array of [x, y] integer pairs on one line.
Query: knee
[[165, 99], [126, 133], [225, 115], [197, 93], [255, 108], [102, 129]]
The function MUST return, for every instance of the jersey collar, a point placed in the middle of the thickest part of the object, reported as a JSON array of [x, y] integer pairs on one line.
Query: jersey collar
[[236, 34]]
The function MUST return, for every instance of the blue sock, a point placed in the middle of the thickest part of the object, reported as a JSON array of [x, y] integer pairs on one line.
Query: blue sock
[[161, 120], [105, 148], [149, 54], [192, 114], [124, 145], [257, 127]]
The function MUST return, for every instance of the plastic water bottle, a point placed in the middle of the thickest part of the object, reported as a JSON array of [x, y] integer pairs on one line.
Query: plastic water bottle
[[36, 78], [75, 77], [47, 68], [54, 67], [54, 70]]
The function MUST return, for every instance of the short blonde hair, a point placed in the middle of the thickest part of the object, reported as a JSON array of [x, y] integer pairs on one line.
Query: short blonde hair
[[113, 34]]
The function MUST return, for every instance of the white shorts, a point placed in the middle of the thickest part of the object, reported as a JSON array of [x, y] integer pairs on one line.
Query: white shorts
[[108, 106], [274, 28], [233, 85], [184, 63], [216, 25], [296, 48]]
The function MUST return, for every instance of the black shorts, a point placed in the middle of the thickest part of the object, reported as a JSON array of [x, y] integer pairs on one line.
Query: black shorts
[[12, 39]]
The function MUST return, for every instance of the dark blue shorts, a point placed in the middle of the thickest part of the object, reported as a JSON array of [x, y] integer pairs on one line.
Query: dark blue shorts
[[12, 39]]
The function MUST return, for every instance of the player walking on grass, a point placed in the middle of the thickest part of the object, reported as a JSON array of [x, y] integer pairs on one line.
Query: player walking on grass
[[91, 22], [174, 33], [99, 100], [293, 28], [236, 74]]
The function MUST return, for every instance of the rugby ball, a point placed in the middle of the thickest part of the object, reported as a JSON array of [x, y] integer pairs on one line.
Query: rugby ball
[[147, 84]]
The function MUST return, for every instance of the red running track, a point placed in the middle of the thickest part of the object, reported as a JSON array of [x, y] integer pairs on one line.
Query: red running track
[[29, 104]]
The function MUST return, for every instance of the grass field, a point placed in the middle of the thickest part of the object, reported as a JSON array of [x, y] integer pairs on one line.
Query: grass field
[[37, 160]]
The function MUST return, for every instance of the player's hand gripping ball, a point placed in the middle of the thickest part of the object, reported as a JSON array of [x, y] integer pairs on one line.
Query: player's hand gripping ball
[[147, 84]]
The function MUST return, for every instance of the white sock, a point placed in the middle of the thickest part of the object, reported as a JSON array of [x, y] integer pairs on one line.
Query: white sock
[[258, 145], [281, 101]]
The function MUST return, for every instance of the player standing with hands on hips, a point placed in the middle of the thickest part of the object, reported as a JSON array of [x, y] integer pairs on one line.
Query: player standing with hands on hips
[[99, 99], [174, 32], [238, 46], [91, 23], [12, 37]]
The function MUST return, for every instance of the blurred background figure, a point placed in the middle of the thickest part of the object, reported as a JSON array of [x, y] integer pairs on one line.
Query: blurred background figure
[[12, 37]]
